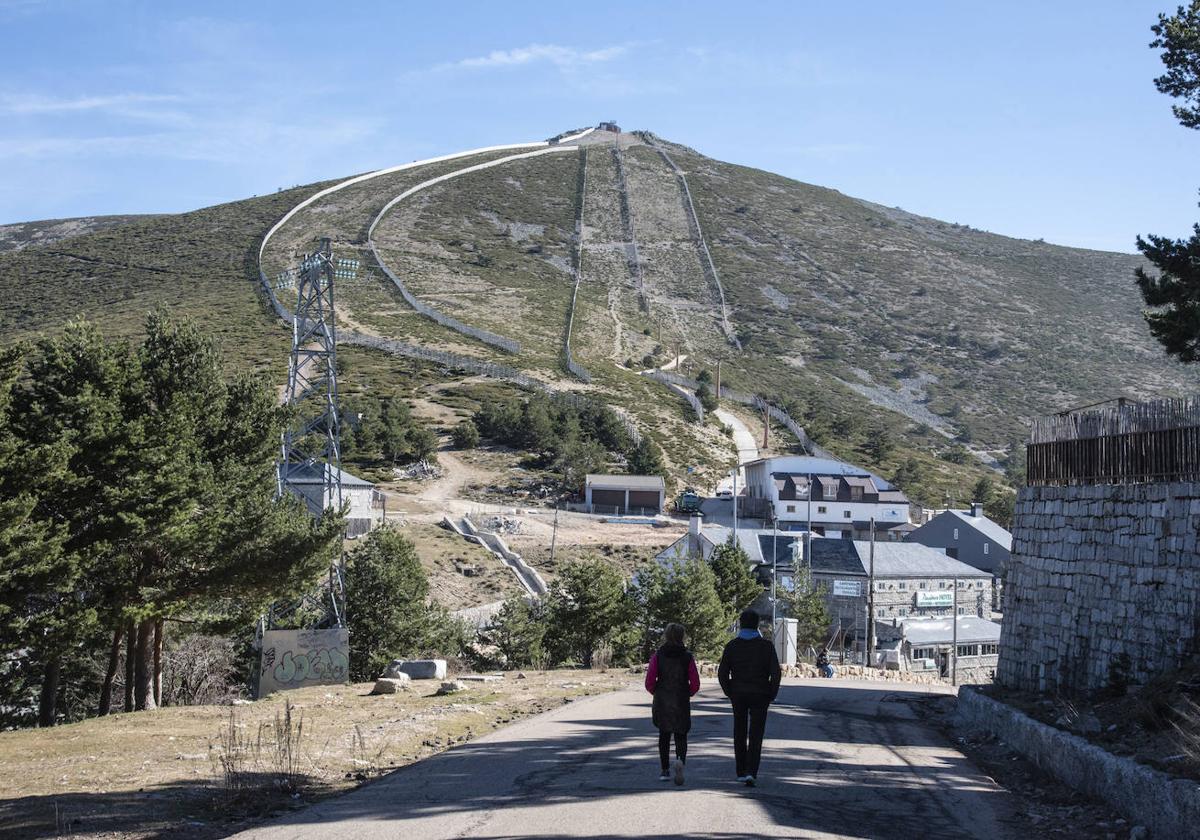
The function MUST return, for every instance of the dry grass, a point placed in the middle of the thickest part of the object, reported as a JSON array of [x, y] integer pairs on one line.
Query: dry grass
[[162, 774]]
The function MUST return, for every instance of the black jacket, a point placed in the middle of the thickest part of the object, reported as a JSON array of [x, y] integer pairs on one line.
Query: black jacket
[[749, 669], [672, 710]]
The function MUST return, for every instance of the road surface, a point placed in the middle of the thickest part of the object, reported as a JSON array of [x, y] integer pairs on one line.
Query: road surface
[[843, 759], [747, 448]]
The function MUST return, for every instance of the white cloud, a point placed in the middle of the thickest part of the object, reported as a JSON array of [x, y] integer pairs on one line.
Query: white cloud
[[35, 104], [560, 56]]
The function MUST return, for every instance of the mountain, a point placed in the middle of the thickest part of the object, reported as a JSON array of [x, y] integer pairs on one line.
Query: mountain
[[857, 317]]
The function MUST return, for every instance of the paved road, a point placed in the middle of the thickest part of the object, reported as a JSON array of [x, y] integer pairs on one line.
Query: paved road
[[843, 760], [747, 448]]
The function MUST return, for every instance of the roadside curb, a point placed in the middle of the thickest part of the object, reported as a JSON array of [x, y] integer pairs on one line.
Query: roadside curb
[[1166, 807]]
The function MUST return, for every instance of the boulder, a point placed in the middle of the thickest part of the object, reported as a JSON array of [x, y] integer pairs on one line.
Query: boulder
[[417, 669], [451, 687], [392, 685]]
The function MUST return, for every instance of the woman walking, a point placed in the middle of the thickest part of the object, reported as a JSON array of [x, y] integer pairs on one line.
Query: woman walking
[[672, 678]]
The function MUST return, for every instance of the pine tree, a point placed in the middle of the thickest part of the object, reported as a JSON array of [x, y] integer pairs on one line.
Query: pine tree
[[588, 608], [518, 633], [735, 585], [646, 458], [804, 601], [386, 602], [683, 591]]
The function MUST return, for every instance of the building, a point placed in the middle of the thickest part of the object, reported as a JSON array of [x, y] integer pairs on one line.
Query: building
[[617, 494], [308, 482], [969, 536], [609, 125], [839, 499], [926, 645], [909, 581]]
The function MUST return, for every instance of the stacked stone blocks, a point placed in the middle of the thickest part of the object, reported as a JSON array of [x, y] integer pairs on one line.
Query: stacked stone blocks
[[1103, 579]]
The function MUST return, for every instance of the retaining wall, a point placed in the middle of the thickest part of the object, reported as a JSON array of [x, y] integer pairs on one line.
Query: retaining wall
[[1098, 574], [1167, 807]]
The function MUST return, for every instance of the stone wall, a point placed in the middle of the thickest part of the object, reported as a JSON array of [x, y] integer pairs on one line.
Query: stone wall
[[1100, 573]]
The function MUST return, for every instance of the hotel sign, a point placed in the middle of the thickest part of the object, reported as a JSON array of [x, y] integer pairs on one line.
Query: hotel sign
[[935, 599], [847, 588]]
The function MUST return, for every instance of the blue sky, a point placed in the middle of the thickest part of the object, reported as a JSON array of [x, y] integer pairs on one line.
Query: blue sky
[[1031, 119]]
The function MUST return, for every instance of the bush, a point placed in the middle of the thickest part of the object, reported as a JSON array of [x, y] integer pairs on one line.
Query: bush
[[518, 632], [466, 435], [588, 608], [707, 398]]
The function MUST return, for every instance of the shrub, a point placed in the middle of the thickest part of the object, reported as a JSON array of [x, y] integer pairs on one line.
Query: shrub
[[466, 435], [386, 608]]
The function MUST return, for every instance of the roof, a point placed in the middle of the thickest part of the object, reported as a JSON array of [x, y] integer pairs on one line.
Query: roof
[[806, 465], [933, 631], [985, 526], [626, 482], [314, 473], [909, 559], [865, 482], [834, 556]]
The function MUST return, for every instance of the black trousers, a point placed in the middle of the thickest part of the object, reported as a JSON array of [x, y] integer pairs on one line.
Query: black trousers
[[749, 724], [664, 747]]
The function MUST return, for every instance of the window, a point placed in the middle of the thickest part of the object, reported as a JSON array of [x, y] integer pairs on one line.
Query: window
[[846, 514], [902, 611], [902, 585], [880, 613], [829, 489], [988, 650], [968, 650], [820, 508], [923, 653], [941, 584], [962, 610], [791, 508], [924, 585], [986, 546], [856, 494], [955, 533], [879, 587]]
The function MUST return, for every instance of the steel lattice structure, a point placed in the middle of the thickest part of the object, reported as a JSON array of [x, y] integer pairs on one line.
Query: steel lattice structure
[[310, 463]]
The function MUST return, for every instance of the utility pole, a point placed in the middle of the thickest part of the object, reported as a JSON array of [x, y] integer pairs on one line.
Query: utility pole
[[774, 568], [808, 533], [871, 601], [766, 425], [554, 535], [954, 637], [735, 507], [718, 378]]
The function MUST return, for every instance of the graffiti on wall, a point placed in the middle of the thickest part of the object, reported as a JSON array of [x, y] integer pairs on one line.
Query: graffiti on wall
[[295, 658]]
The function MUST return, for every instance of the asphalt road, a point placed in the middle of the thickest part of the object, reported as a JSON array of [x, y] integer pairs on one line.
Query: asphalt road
[[843, 759]]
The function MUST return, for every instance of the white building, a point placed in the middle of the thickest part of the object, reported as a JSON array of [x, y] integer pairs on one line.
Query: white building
[[308, 482], [838, 499]]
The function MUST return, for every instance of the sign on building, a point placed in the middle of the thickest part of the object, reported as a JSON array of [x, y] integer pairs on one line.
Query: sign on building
[[847, 588], [296, 658], [935, 599]]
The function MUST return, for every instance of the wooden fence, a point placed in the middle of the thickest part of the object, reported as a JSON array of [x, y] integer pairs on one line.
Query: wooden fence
[[1138, 443]]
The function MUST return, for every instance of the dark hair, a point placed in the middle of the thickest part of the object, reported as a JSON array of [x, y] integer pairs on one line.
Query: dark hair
[[674, 634], [748, 620]]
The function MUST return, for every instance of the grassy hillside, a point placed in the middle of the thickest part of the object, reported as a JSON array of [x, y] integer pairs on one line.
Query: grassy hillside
[[860, 317]]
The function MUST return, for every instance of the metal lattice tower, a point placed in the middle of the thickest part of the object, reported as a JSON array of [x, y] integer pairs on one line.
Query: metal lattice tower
[[310, 464]]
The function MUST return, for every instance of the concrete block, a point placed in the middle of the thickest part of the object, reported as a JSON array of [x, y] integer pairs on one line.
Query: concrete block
[[417, 669]]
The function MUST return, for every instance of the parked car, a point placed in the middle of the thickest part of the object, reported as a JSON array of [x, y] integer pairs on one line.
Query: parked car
[[725, 494]]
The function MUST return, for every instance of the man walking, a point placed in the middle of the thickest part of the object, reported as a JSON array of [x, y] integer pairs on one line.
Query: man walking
[[749, 676]]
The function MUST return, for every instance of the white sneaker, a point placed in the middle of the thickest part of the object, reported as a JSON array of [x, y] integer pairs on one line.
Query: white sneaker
[[749, 781], [742, 778], [664, 776], [678, 772]]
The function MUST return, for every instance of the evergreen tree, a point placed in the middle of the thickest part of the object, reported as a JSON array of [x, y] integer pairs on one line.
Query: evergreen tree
[[804, 601], [646, 458], [982, 491], [735, 585], [685, 592], [587, 608], [518, 633], [1174, 293], [386, 605]]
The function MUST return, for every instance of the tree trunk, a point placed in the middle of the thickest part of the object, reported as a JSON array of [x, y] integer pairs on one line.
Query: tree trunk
[[48, 701], [158, 661], [110, 675], [143, 668], [130, 656]]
